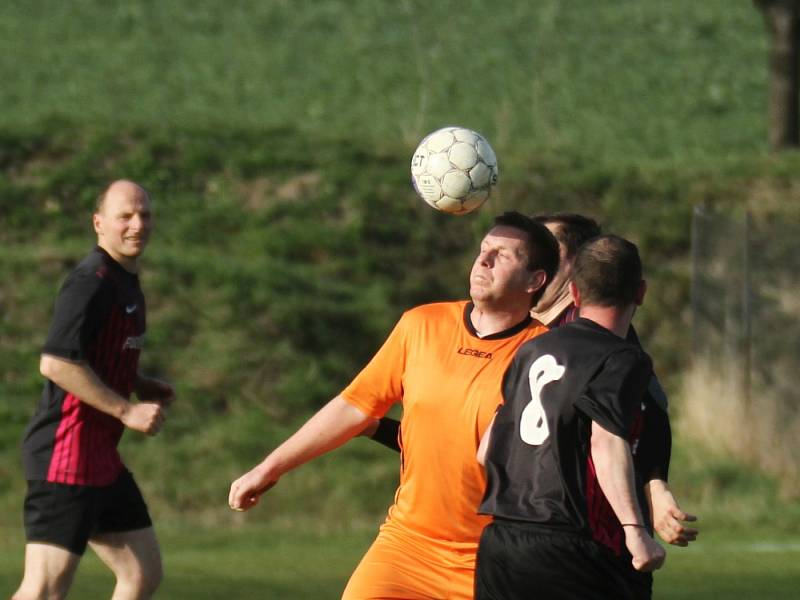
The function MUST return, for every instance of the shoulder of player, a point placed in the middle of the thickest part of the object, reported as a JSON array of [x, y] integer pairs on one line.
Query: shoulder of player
[[434, 310], [588, 339], [631, 356], [90, 276]]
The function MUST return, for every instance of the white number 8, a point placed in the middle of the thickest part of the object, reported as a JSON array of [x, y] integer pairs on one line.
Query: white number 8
[[533, 427]]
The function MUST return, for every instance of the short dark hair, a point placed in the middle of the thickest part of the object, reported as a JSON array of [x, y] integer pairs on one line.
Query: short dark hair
[[542, 245], [573, 229], [607, 271]]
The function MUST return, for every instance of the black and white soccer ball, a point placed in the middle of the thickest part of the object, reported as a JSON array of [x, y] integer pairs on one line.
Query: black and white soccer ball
[[454, 169]]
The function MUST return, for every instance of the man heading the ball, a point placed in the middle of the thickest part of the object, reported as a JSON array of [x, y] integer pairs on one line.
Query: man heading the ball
[[444, 362], [555, 308]]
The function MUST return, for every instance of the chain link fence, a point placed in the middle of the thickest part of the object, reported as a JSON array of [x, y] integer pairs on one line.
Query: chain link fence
[[742, 391]]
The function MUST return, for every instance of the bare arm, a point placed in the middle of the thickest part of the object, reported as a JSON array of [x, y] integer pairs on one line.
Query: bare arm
[[78, 379], [333, 425], [614, 465], [668, 518]]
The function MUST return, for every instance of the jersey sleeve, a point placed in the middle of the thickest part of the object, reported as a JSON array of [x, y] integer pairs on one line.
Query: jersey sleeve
[[80, 306], [613, 395], [388, 433], [655, 446], [380, 384]]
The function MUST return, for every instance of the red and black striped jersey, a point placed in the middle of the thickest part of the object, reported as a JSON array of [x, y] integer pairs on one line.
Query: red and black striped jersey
[[99, 320], [538, 463]]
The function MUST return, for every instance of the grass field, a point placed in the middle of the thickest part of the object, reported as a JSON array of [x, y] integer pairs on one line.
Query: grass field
[[264, 562], [646, 80]]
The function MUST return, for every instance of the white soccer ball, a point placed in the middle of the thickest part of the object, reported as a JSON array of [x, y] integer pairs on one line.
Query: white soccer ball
[[453, 169]]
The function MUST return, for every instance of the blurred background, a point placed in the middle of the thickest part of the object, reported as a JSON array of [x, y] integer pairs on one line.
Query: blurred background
[[275, 138]]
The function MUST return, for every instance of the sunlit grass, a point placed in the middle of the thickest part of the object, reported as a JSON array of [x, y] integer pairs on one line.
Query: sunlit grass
[[273, 562]]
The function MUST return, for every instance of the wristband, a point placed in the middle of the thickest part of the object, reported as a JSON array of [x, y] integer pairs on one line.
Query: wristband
[[632, 525]]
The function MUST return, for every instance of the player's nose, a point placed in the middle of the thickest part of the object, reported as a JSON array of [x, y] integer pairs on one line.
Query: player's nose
[[486, 258]]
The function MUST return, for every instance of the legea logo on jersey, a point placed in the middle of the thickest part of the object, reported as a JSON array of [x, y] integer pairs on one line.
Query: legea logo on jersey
[[475, 353], [134, 343]]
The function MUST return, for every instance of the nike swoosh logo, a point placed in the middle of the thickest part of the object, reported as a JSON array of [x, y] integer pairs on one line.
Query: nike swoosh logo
[[130, 309]]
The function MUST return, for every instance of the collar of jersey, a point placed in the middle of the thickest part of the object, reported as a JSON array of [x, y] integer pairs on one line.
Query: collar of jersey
[[506, 333], [109, 260]]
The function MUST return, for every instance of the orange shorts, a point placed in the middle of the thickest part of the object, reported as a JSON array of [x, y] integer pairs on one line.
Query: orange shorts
[[406, 566]]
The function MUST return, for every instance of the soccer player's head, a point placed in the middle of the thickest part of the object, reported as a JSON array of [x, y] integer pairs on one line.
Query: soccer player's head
[[517, 258], [571, 230], [122, 221], [607, 271]]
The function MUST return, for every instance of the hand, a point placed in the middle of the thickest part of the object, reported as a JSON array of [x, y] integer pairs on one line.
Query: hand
[[147, 417], [246, 491], [668, 518], [646, 552], [149, 389]]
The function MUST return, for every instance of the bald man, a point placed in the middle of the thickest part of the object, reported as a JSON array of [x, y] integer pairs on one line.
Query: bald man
[[79, 491]]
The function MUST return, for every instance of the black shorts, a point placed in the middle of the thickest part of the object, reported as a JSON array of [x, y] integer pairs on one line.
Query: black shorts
[[521, 562], [69, 515]]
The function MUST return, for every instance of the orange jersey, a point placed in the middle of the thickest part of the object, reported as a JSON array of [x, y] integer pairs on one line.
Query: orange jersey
[[449, 382]]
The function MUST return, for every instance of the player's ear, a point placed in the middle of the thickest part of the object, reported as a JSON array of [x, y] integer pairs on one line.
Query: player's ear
[[536, 280], [96, 223], [576, 295], [640, 293]]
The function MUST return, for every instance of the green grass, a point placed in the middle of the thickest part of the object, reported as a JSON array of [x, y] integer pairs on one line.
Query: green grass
[[225, 563], [272, 562], [732, 563], [647, 80]]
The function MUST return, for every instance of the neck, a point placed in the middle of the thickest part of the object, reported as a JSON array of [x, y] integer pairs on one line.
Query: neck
[[616, 320], [546, 312], [488, 321], [130, 264]]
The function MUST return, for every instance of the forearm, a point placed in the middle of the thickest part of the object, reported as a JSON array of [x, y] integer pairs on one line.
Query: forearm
[[614, 467], [333, 425], [82, 382]]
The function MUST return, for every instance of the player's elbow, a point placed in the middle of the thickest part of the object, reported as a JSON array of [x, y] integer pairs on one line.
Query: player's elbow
[[48, 366], [603, 439], [53, 368], [600, 442]]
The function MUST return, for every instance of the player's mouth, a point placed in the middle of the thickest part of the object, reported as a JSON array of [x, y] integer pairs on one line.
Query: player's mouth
[[480, 279]]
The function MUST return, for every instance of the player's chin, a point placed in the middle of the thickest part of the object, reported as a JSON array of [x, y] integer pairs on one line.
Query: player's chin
[[478, 290], [134, 247]]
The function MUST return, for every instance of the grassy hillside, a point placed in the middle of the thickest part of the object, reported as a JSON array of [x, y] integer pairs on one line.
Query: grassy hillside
[[271, 278], [276, 140], [646, 80]]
